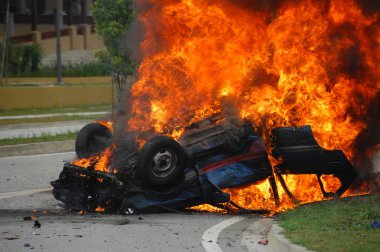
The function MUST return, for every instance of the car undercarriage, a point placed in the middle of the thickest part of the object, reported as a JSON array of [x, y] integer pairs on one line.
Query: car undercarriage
[[211, 155]]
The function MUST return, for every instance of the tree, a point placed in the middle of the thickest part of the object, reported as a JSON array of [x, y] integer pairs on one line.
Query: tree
[[113, 18]]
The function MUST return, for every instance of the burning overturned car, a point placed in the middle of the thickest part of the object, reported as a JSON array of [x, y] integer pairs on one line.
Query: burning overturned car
[[273, 63], [211, 155]]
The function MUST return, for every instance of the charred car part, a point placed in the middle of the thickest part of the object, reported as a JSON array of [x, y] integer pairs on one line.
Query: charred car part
[[300, 154], [92, 139], [211, 155]]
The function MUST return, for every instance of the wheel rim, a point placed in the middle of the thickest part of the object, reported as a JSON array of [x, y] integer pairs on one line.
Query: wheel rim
[[164, 162]]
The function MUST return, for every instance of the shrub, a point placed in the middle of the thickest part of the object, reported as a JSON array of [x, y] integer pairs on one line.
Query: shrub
[[87, 69], [75, 70], [25, 61], [32, 57], [22, 58]]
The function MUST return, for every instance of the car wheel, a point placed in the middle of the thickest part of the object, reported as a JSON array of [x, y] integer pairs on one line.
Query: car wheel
[[160, 161], [92, 139]]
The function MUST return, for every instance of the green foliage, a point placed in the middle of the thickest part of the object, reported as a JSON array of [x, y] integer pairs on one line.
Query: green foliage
[[22, 58], [75, 70], [113, 18], [15, 52], [87, 69], [31, 58]]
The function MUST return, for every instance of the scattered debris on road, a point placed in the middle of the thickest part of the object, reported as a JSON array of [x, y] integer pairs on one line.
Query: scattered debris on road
[[37, 224], [124, 222], [263, 242], [13, 237], [29, 218], [375, 224]]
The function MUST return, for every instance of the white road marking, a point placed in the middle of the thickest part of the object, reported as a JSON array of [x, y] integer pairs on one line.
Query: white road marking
[[210, 237], [20, 193], [40, 155]]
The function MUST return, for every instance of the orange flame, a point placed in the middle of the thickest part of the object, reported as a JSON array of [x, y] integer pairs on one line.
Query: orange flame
[[284, 70], [100, 162], [299, 63], [100, 209], [108, 124]]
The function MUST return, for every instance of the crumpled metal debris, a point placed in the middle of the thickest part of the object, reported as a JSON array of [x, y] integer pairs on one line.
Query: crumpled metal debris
[[29, 218], [37, 224], [13, 237], [263, 242]]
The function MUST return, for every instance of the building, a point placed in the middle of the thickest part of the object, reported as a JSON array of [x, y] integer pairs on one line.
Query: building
[[33, 21]]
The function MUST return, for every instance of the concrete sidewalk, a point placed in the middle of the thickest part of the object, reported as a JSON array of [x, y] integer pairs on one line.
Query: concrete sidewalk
[[27, 130]]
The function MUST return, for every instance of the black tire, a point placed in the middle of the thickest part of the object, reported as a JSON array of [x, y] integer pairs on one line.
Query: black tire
[[92, 139], [160, 161]]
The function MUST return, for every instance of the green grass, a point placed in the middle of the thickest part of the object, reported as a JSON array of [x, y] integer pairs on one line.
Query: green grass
[[43, 138], [86, 84], [79, 84], [47, 119], [336, 225], [55, 110]]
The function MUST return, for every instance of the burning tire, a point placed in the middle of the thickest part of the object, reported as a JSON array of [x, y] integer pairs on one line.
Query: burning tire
[[92, 139], [160, 161]]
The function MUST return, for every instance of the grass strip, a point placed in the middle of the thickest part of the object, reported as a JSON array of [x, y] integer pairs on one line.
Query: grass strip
[[55, 110], [41, 84], [335, 225], [43, 138], [47, 119]]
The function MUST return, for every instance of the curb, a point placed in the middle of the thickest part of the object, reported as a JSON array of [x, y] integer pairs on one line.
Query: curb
[[37, 148], [278, 242]]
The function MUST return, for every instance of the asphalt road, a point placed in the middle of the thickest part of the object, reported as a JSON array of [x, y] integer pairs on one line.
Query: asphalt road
[[25, 191]]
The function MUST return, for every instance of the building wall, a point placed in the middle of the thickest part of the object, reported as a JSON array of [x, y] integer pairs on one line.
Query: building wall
[[94, 43], [21, 29], [21, 24], [71, 42], [54, 96], [49, 45]]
